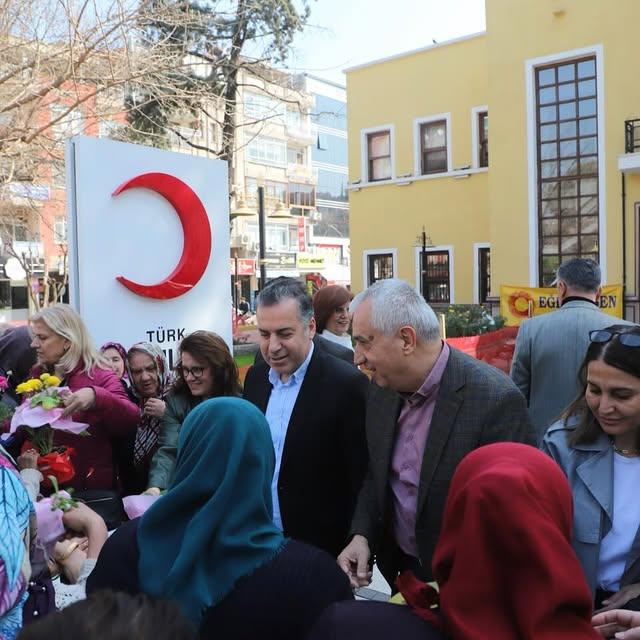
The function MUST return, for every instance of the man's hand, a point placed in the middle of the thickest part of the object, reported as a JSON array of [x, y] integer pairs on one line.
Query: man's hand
[[28, 460], [154, 407], [80, 400], [620, 598], [354, 561], [152, 491], [618, 623]]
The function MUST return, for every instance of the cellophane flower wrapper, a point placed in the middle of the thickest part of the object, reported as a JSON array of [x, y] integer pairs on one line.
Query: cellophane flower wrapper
[[50, 526], [35, 417], [136, 505]]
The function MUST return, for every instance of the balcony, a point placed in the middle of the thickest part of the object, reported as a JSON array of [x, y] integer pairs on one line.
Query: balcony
[[300, 132], [629, 162], [26, 193], [300, 172]]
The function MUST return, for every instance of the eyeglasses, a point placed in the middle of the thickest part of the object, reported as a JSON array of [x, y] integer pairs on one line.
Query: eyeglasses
[[196, 372], [603, 335]]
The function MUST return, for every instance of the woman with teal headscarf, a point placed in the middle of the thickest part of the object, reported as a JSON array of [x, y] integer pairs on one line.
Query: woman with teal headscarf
[[210, 543]]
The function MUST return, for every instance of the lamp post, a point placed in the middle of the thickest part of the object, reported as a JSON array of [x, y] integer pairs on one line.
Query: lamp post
[[424, 241], [262, 233], [281, 212]]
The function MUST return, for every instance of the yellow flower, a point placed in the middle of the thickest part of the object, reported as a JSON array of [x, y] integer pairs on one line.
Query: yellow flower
[[23, 387], [44, 376], [34, 384], [52, 381]]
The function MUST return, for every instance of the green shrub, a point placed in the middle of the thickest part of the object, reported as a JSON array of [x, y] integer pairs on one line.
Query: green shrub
[[464, 320]]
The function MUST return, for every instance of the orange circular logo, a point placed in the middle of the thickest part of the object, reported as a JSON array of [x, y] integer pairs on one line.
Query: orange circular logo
[[519, 304]]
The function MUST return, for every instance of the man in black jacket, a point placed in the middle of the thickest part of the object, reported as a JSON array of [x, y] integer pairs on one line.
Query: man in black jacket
[[315, 406]]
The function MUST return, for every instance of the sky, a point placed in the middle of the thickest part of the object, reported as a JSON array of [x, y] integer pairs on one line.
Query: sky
[[344, 33]]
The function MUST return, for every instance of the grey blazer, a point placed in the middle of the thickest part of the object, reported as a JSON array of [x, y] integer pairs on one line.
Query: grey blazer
[[548, 354], [476, 405], [589, 469]]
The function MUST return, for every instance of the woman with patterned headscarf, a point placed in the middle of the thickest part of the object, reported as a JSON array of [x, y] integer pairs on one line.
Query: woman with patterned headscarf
[[150, 380]]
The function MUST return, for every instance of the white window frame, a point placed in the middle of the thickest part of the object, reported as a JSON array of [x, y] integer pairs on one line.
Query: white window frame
[[417, 145], [375, 252], [59, 238], [262, 107], [476, 272], [529, 71], [71, 124], [364, 152], [418, 268], [265, 140], [475, 136]]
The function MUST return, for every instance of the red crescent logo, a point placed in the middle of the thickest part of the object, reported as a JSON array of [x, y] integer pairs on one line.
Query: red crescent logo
[[196, 230]]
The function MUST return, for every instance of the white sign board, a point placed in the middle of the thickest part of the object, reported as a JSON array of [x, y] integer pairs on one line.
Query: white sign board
[[131, 277]]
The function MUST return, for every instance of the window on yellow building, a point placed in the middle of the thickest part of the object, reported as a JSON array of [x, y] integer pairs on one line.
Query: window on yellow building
[[483, 139], [380, 266], [567, 155], [484, 274], [436, 276], [379, 155], [433, 146]]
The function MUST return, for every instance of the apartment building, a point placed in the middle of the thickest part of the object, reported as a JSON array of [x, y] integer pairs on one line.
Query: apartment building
[[489, 159]]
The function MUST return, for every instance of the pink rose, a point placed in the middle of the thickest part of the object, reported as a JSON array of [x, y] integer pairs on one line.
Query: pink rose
[[4, 383]]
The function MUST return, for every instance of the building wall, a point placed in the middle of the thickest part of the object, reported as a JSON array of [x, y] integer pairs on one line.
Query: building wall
[[517, 32], [500, 207], [453, 208]]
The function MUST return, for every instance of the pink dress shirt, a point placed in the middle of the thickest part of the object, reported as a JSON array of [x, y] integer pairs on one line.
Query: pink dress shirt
[[412, 432]]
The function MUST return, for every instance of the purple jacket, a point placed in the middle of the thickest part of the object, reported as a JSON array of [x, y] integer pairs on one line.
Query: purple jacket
[[113, 415]]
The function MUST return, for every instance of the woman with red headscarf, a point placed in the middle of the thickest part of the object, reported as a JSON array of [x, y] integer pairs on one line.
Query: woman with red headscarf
[[504, 563]]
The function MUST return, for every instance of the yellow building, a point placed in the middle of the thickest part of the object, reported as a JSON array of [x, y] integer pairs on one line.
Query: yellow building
[[555, 78]]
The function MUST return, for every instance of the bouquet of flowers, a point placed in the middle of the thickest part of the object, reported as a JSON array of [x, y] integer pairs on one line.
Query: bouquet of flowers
[[40, 414], [5, 411]]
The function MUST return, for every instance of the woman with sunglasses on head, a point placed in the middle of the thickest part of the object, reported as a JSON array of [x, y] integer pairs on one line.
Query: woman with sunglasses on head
[[597, 445], [206, 370]]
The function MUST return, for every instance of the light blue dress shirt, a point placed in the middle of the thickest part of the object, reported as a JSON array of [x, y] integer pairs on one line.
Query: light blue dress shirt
[[281, 402]]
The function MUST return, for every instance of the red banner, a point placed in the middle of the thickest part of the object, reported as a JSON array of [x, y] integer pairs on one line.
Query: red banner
[[495, 348]]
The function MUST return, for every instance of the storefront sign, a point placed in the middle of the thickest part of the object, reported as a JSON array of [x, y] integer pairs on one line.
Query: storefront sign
[[309, 262], [302, 239], [280, 260], [246, 267], [519, 303]]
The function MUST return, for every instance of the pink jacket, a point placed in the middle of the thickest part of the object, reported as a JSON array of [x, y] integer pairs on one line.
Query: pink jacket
[[113, 415]]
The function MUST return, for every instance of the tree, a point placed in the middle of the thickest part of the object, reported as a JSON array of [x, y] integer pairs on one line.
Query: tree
[[225, 38], [65, 67]]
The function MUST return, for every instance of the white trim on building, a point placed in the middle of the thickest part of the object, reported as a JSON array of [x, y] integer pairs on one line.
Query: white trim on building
[[529, 71], [375, 252], [475, 136], [364, 151], [417, 159], [412, 52], [417, 251], [476, 272]]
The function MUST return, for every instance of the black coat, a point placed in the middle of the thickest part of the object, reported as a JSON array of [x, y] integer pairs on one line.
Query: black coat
[[324, 459]]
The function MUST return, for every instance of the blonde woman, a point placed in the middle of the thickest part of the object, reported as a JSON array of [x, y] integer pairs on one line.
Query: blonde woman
[[64, 348]]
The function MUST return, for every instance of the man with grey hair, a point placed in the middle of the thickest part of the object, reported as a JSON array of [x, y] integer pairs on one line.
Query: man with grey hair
[[550, 348], [315, 406], [430, 406]]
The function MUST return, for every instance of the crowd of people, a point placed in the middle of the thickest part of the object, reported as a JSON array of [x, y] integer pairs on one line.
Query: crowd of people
[[495, 507]]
